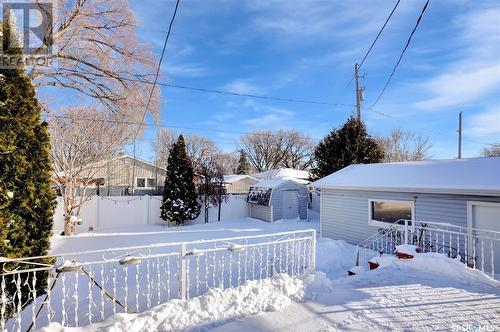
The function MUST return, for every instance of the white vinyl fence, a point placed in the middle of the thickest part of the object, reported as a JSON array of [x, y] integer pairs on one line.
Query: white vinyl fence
[[104, 212], [76, 289]]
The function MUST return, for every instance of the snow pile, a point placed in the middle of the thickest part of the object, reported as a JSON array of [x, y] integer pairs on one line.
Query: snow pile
[[443, 267], [334, 257], [213, 308]]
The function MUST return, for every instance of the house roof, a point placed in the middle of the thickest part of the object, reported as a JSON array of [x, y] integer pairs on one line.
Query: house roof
[[474, 176], [123, 156], [289, 173], [231, 178], [273, 183]]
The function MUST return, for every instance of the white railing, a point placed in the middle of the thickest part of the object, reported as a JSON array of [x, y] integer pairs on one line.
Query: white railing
[[77, 289], [474, 247]]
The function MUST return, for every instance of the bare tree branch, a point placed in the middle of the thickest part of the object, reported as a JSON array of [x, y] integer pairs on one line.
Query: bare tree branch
[[81, 151], [404, 146], [97, 53]]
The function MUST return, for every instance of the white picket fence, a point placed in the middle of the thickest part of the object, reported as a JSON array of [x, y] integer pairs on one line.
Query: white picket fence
[[106, 212], [87, 287]]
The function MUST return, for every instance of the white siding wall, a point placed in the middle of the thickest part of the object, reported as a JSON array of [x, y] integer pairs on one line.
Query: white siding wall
[[344, 214]]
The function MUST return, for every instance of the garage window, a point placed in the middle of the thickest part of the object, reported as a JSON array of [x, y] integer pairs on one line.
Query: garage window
[[386, 212]]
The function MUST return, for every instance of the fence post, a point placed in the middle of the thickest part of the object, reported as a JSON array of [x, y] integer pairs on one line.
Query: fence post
[[97, 212], [313, 253], [147, 198], [183, 273], [406, 231]]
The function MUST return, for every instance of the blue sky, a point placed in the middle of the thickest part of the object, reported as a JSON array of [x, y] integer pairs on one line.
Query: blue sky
[[307, 50]]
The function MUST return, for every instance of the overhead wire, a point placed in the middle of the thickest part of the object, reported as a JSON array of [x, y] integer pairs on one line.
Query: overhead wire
[[376, 38], [159, 64], [159, 125], [401, 55]]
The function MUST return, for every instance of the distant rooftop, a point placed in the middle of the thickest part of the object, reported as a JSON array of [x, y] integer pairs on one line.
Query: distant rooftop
[[289, 173], [474, 176], [231, 178]]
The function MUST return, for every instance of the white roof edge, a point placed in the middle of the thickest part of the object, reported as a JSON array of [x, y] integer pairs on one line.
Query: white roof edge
[[455, 191], [278, 182], [240, 176], [141, 160]]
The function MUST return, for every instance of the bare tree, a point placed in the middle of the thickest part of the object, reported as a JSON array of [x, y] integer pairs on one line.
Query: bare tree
[[96, 52], [493, 151], [81, 150], [299, 150], [213, 181], [267, 150], [228, 162], [197, 148], [401, 145], [165, 138]]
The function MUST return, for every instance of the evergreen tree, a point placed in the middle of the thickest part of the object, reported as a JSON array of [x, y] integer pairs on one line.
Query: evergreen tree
[[27, 201], [179, 196], [349, 144], [243, 165]]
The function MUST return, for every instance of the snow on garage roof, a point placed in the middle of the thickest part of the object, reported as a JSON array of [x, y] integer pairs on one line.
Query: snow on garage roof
[[474, 176]]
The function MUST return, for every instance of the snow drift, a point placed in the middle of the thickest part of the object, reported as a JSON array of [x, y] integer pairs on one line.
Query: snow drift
[[213, 308]]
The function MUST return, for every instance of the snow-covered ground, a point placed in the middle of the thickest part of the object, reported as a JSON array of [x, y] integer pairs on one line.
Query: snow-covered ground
[[149, 234], [429, 292]]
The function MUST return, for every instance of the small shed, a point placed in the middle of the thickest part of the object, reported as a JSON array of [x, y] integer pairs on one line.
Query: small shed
[[277, 199], [237, 184]]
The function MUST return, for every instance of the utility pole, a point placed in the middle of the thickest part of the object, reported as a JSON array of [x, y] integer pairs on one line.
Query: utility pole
[[459, 135], [359, 92]]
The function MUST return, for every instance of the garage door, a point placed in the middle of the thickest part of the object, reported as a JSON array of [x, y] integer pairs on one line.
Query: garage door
[[486, 216]]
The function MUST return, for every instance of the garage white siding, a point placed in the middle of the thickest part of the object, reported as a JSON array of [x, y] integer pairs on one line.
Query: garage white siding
[[344, 213]]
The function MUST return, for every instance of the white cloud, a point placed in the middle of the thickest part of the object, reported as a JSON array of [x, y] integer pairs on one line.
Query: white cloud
[[486, 124], [267, 121], [242, 86], [476, 72], [461, 86], [186, 70]]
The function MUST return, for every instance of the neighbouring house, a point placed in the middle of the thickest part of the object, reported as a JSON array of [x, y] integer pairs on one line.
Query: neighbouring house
[[237, 184], [125, 176], [276, 199], [359, 200], [300, 176]]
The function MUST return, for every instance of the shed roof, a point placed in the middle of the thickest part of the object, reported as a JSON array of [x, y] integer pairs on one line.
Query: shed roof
[[474, 176], [274, 183]]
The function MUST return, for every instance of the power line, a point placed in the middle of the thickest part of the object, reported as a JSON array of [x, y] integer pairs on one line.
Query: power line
[[379, 33], [159, 65], [158, 125], [376, 38], [427, 129], [227, 131], [401, 55], [231, 93], [293, 100]]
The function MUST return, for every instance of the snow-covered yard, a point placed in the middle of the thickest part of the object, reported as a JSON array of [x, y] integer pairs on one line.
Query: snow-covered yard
[[430, 292]]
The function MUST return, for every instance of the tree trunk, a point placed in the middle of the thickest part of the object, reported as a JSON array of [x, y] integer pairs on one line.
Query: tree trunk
[[69, 228]]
